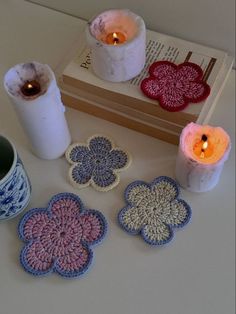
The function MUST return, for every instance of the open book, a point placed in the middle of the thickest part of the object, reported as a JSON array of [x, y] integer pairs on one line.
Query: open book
[[80, 85]]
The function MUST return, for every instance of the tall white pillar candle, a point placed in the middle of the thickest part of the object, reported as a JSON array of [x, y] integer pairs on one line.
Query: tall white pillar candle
[[39, 108], [203, 151], [118, 41]]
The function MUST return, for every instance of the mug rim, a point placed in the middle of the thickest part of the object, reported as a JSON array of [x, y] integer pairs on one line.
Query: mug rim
[[7, 175]]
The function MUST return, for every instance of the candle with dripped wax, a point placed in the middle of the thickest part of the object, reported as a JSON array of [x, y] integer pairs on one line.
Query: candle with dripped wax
[[117, 39], [34, 93], [202, 152]]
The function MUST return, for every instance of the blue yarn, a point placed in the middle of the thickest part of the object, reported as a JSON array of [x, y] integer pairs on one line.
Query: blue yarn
[[84, 244], [132, 206]]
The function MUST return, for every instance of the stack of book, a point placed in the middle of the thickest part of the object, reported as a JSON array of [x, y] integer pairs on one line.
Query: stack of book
[[126, 105]]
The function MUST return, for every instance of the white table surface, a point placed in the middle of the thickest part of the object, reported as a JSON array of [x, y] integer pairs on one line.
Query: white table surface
[[192, 275]]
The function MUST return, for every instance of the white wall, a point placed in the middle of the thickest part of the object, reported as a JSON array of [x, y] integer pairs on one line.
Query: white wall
[[210, 22]]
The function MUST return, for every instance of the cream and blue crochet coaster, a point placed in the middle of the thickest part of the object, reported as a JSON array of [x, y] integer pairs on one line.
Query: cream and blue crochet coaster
[[154, 210], [96, 163]]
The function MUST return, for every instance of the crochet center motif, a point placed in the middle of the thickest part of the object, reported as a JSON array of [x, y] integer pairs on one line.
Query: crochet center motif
[[58, 238], [154, 210], [175, 86]]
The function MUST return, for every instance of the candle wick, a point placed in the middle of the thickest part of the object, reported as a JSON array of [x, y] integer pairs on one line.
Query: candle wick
[[116, 41], [204, 146], [204, 138]]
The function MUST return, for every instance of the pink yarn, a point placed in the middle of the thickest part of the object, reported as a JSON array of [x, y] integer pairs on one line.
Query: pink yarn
[[175, 86], [60, 236]]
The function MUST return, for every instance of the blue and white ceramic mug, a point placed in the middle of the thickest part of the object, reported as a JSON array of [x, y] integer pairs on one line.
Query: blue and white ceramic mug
[[15, 187]]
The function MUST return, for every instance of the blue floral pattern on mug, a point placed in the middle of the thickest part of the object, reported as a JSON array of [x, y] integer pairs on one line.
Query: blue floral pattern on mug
[[15, 192]]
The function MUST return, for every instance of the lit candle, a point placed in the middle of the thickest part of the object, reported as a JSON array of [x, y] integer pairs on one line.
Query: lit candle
[[31, 88], [203, 148], [202, 152], [117, 39], [36, 98]]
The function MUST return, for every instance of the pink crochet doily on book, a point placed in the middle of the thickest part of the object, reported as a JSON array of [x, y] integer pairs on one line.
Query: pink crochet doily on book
[[175, 86]]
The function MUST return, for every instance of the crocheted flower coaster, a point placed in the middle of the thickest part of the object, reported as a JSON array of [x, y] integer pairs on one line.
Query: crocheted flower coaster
[[97, 163], [58, 238], [175, 86], [154, 210]]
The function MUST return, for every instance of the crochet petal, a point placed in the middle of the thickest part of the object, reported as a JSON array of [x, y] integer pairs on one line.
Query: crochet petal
[[35, 259], [165, 188], [157, 233], [75, 263], [173, 99], [189, 71], [76, 153], [94, 226], [196, 92], [163, 69], [132, 219], [151, 88], [178, 214], [100, 144], [105, 180], [118, 159], [137, 192], [32, 224], [65, 206], [80, 175]]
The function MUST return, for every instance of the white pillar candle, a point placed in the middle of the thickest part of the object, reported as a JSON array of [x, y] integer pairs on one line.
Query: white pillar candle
[[33, 90], [202, 152], [118, 41]]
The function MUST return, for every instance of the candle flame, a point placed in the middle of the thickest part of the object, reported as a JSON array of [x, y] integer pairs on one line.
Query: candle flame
[[204, 147], [115, 39]]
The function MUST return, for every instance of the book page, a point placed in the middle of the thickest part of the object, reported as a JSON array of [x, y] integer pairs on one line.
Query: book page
[[159, 47], [157, 50]]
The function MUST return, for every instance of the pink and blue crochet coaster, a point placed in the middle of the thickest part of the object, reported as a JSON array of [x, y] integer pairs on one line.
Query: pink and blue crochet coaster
[[59, 238], [175, 86], [154, 210]]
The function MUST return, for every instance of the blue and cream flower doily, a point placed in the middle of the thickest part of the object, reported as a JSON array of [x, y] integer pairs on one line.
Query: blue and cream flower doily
[[154, 210], [96, 163]]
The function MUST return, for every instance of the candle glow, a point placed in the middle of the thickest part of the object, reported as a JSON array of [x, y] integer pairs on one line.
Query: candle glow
[[202, 152], [205, 144], [31, 88], [115, 38], [203, 148]]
